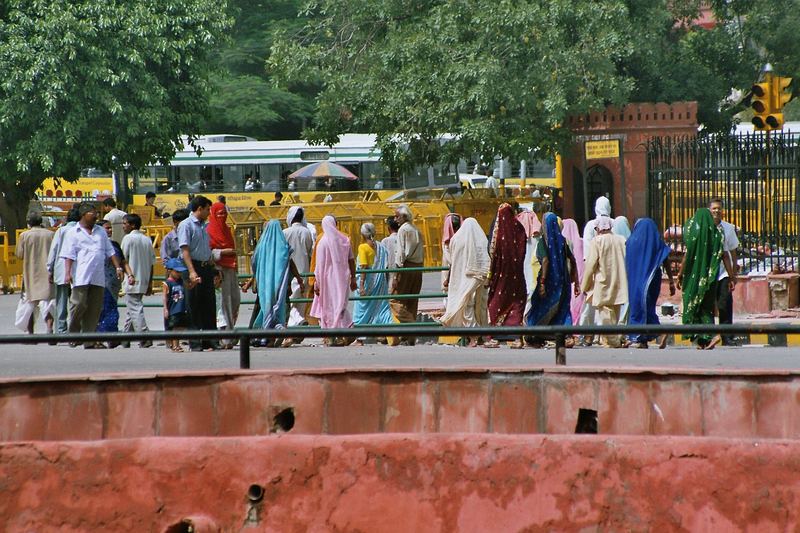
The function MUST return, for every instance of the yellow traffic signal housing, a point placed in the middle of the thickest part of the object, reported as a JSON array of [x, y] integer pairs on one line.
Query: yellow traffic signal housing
[[761, 102], [781, 94]]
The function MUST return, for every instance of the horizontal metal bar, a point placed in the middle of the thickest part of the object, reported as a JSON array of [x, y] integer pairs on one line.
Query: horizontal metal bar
[[420, 331], [380, 297], [358, 271], [392, 325], [352, 299], [389, 270]]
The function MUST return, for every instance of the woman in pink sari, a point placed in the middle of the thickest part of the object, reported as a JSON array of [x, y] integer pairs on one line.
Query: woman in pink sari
[[573, 237], [533, 231], [334, 278]]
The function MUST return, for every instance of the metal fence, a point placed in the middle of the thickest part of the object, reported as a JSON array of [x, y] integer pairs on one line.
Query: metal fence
[[558, 333], [756, 176]]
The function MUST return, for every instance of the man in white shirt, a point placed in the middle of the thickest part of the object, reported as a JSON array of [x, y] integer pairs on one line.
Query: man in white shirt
[[55, 267], [85, 249], [726, 280], [302, 243], [491, 181], [138, 251], [114, 215]]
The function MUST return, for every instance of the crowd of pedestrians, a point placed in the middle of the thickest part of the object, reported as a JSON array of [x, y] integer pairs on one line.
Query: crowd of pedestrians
[[541, 272], [532, 268]]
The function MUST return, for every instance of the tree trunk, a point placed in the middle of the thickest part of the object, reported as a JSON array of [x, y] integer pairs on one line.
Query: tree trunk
[[14, 206]]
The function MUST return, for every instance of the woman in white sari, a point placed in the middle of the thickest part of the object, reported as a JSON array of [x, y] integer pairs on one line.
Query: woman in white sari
[[466, 283]]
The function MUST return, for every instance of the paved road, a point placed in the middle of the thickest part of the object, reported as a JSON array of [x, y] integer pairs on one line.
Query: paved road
[[43, 360], [61, 360]]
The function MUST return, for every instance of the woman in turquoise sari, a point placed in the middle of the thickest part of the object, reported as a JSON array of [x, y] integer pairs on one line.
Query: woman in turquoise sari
[[272, 270], [374, 256]]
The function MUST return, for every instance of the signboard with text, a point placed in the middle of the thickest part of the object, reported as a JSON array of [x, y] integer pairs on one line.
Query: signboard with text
[[602, 149]]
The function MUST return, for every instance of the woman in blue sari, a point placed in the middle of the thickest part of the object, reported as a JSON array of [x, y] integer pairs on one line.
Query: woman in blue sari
[[551, 299], [109, 315], [272, 270], [645, 252], [371, 255]]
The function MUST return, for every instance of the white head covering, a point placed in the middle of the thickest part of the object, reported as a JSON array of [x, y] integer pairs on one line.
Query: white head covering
[[621, 227], [602, 206], [291, 214], [603, 223]]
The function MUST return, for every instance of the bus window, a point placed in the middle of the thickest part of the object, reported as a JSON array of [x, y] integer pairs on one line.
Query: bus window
[[269, 176], [192, 178], [218, 182]]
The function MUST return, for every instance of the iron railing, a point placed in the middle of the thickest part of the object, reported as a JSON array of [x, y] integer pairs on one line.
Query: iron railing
[[756, 175], [558, 333]]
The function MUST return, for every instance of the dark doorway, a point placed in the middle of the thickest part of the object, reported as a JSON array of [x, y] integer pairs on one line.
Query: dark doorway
[[600, 182]]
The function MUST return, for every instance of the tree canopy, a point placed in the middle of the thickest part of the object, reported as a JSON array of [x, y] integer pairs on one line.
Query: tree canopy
[[245, 101], [98, 83], [501, 76], [487, 72]]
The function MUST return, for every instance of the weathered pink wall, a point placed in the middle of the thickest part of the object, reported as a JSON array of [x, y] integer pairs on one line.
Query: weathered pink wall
[[403, 483], [751, 296], [639, 402]]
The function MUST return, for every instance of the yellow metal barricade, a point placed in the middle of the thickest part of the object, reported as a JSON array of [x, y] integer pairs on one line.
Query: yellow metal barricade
[[11, 267], [351, 210]]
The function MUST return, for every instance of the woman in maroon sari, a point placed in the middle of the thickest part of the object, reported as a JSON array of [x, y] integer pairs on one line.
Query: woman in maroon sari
[[507, 288]]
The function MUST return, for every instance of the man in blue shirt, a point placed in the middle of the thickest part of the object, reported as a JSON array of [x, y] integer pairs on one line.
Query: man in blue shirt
[[169, 245], [196, 253]]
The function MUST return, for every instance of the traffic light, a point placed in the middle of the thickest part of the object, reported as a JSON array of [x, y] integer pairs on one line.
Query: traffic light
[[761, 102], [780, 97]]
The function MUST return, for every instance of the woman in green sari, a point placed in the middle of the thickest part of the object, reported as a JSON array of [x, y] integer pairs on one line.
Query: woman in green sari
[[698, 273]]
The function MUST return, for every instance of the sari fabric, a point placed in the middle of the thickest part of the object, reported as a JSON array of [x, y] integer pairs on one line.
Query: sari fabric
[[533, 229], [703, 242], [530, 222], [448, 230], [220, 236], [374, 312], [332, 274], [507, 289], [466, 294], [645, 252], [573, 237], [271, 270], [109, 315], [554, 306], [602, 207], [621, 227]]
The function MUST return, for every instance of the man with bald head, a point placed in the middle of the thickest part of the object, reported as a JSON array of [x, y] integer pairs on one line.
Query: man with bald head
[[409, 253]]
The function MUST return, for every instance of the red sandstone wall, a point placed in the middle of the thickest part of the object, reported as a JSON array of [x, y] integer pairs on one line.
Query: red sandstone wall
[[730, 404], [634, 124], [403, 483]]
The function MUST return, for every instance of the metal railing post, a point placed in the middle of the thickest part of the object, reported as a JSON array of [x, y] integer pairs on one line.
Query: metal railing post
[[244, 352], [561, 349]]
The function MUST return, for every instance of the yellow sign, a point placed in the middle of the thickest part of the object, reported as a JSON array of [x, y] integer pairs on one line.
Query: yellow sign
[[83, 187], [602, 149]]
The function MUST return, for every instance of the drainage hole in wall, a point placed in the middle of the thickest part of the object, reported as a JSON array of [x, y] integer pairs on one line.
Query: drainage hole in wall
[[283, 421], [255, 493], [587, 421], [184, 526]]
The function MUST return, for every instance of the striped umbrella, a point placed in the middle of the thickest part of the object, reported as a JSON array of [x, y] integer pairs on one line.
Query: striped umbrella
[[323, 169]]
